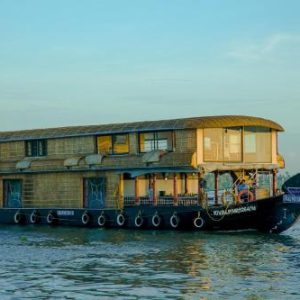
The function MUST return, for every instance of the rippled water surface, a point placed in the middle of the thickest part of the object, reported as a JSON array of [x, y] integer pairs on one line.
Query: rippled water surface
[[73, 263]]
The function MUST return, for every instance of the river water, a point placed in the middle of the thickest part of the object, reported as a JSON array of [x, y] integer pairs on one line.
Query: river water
[[39, 262]]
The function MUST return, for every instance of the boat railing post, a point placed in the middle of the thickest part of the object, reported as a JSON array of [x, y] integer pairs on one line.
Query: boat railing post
[[274, 182], [175, 196], [216, 187], [255, 185], [136, 187], [154, 189], [186, 187], [202, 201]]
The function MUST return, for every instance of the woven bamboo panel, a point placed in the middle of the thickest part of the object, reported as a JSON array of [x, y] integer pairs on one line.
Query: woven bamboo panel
[[62, 190], [66, 147], [12, 151]]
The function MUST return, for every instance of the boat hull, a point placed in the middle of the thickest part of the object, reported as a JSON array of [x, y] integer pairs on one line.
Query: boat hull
[[268, 215]]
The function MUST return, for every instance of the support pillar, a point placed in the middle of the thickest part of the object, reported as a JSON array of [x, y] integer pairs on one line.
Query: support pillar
[[216, 187], [121, 192], [154, 189], [186, 189], [175, 196], [199, 188], [255, 184], [274, 182], [136, 189]]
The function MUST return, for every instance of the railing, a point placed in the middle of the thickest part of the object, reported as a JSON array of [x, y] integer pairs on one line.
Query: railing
[[193, 199], [188, 200], [162, 200]]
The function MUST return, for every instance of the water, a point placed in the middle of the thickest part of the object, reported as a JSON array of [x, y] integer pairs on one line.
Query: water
[[73, 263]]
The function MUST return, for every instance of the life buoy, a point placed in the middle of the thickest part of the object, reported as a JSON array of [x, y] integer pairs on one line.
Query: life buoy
[[198, 222], [245, 194], [138, 221], [50, 218], [174, 221], [101, 220], [156, 220], [120, 219], [85, 218], [34, 217], [18, 217]]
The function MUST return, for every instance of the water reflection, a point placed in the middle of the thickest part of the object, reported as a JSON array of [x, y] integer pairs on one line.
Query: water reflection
[[80, 263]]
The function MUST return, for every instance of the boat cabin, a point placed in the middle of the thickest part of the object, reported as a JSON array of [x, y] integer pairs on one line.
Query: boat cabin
[[194, 161]]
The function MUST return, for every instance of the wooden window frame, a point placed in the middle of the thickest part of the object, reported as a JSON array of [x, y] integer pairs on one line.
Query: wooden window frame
[[36, 148], [112, 152], [156, 139]]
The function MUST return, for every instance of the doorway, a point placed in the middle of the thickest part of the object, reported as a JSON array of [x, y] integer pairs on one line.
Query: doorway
[[94, 192], [12, 193]]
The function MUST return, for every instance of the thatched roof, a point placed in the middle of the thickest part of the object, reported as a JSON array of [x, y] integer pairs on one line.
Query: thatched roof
[[187, 123]]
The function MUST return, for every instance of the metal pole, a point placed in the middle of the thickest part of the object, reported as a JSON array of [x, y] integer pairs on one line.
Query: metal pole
[[216, 187]]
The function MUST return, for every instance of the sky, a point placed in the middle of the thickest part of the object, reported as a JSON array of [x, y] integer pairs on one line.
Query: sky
[[66, 62]]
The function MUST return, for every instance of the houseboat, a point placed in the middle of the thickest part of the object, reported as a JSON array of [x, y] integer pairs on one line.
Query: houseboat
[[200, 173]]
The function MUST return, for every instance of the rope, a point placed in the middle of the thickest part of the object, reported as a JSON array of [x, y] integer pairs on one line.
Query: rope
[[220, 219]]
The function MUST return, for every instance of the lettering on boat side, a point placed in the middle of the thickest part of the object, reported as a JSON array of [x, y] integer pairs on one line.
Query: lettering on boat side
[[65, 213], [289, 198], [234, 211]]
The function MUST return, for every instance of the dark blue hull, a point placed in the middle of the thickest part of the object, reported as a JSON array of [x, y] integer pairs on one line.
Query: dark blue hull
[[268, 215]]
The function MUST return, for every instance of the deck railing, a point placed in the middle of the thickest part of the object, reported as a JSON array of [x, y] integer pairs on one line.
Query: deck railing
[[224, 196], [162, 200]]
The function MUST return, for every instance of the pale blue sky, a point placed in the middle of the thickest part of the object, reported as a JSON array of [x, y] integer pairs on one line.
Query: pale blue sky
[[91, 62]]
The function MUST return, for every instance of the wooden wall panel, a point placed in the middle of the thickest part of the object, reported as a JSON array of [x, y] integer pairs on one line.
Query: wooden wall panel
[[62, 190], [133, 143], [12, 151], [65, 147]]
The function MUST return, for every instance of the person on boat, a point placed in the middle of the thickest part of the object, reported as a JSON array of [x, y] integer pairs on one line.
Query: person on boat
[[151, 192], [202, 186]]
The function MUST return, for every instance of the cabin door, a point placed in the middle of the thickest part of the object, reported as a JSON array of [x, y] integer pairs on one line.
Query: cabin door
[[12, 193], [94, 192]]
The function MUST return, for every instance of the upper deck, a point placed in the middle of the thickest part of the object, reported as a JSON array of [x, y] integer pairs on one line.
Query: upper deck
[[212, 143]]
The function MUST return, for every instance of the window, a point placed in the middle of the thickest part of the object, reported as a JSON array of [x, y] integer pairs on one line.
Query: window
[[150, 141], [223, 144], [253, 144], [233, 144], [257, 144], [113, 144], [36, 148], [213, 144], [104, 144]]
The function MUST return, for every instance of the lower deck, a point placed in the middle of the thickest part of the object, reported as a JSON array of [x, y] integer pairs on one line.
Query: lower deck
[[112, 190]]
